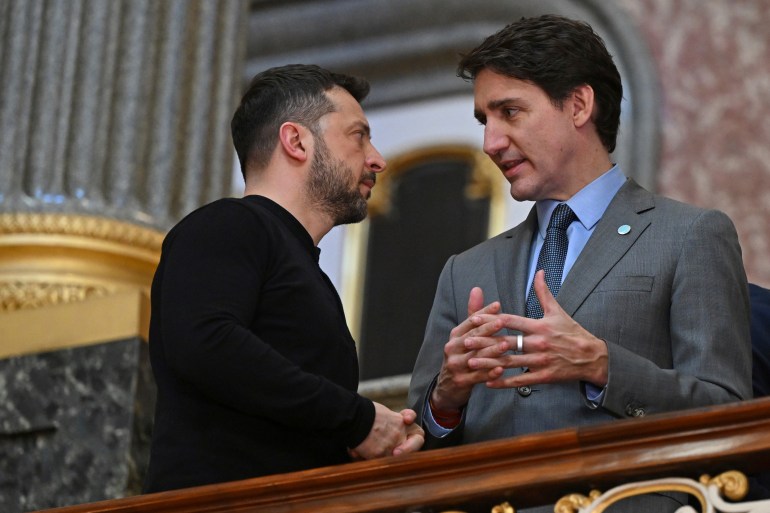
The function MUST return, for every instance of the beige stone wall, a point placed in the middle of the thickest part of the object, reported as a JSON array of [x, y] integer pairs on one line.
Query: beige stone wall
[[714, 66]]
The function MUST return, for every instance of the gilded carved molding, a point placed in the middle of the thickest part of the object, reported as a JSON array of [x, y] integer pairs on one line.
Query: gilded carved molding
[[709, 492], [69, 280], [19, 295], [49, 259], [97, 228]]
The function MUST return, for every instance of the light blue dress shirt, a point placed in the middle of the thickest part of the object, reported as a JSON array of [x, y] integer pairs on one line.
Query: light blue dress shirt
[[589, 205]]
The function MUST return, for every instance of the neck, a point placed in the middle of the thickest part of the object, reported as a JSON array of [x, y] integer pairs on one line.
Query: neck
[[291, 197], [595, 164]]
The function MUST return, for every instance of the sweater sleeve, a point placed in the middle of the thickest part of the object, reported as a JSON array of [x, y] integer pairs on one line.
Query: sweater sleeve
[[211, 276]]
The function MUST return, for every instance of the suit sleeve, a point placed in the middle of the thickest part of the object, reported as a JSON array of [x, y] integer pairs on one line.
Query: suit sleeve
[[442, 320], [213, 268], [708, 326]]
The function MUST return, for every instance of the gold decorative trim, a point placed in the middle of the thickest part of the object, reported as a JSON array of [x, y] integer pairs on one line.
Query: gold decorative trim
[[485, 181], [732, 484], [505, 507], [18, 295], [56, 266], [91, 227], [709, 491], [574, 501], [603, 501], [99, 319]]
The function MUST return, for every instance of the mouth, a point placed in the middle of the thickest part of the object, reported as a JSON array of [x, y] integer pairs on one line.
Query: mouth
[[511, 168], [369, 180]]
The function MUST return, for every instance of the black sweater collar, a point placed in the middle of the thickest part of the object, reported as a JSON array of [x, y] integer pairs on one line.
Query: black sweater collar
[[290, 221]]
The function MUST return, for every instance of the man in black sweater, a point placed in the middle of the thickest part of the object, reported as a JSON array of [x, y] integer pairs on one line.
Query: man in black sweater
[[255, 367]]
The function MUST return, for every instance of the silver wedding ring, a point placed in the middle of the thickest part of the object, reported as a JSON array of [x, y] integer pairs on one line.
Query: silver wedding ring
[[520, 343]]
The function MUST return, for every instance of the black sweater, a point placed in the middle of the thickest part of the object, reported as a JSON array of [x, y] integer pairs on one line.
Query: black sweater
[[255, 367]]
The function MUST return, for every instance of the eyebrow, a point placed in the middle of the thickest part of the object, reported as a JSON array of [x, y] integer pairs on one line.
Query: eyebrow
[[495, 105], [363, 126]]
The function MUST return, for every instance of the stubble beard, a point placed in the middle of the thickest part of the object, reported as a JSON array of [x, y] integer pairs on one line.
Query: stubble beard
[[329, 188]]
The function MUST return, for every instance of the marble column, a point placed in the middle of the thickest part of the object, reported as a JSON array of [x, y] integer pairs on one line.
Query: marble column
[[114, 124]]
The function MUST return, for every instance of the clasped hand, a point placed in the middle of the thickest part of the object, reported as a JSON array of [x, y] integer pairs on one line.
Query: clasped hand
[[555, 349], [393, 433]]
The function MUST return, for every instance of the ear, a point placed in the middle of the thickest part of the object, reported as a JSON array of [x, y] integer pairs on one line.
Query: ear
[[582, 104], [293, 139]]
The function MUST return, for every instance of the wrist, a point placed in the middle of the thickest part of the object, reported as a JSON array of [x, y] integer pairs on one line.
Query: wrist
[[441, 402], [446, 418], [600, 375]]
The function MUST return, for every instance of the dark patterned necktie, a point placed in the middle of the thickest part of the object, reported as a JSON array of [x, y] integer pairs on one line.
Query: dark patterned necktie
[[551, 258]]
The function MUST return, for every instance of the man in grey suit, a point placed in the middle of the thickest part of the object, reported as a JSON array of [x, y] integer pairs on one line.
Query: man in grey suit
[[652, 313]]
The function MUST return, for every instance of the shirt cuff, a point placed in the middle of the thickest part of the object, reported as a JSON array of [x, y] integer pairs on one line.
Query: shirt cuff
[[594, 394], [430, 423]]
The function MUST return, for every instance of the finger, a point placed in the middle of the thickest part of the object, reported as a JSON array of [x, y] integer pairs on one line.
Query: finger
[[547, 301], [523, 379], [485, 330], [488, 347], [511, 382], [510, 321], [413, 443], [505, 361], [475, 300], [472, 327], [409, 416], [488, 310]]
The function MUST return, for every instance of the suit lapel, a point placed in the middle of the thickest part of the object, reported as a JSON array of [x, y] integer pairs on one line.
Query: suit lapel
[[511, 262], [606, 246]]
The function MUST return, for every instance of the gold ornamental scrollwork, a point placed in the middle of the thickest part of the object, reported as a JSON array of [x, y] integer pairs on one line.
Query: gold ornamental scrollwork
[[68, 280], [573, 502], [18, 295], [91, 227], [731, 484], [708, 491], [505, 507], [50, 259]]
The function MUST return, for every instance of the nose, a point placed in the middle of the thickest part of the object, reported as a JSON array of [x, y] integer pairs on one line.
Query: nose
[[374, 161], [495, 140]]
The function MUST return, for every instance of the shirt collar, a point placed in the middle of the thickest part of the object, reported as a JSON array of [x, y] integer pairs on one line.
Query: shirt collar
[[589, 203], [291, 222]]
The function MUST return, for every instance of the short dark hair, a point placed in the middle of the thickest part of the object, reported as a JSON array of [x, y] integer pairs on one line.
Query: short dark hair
[[295, 92], [558, 55]]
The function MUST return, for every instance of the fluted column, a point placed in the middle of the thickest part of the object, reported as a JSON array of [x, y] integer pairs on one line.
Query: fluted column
[[114, 124], [117, 108]]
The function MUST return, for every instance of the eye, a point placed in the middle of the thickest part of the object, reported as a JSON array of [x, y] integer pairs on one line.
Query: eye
[[361, 133], [510, 112]]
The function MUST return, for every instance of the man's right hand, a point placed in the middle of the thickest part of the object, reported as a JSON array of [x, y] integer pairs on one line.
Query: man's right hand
[[456, 379], [391, 434]]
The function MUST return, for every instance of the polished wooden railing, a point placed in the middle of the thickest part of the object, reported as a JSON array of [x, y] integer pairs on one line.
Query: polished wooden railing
[[524, 471]]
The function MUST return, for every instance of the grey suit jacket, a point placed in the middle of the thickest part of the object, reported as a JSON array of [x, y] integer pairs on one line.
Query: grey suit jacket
[[669, 298]]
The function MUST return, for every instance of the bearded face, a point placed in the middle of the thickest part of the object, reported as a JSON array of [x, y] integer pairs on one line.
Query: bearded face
[[333, 187]]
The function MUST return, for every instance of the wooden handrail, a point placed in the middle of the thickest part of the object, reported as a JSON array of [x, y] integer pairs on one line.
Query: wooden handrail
[[525, 471]]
